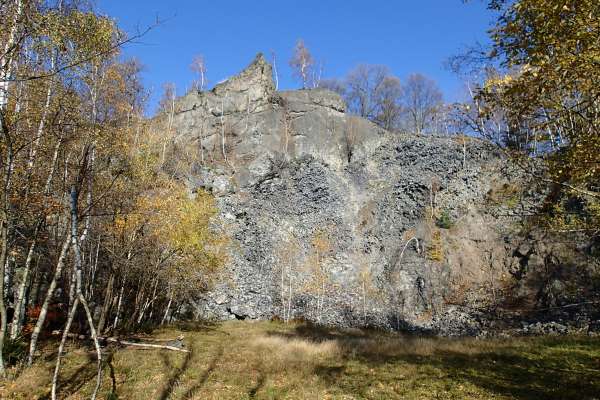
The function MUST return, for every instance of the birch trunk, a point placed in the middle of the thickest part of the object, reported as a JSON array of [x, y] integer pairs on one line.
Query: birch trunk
[[5, 73], [107, 301], [44, 310], [5, 59], [17, 322], [61, 347], [147, 303], [119, 303], [79, 299], [290, 301], [167, 309], [4, 229]]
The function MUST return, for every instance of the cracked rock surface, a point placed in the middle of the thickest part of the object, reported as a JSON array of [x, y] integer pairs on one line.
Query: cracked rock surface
[[335, 220]]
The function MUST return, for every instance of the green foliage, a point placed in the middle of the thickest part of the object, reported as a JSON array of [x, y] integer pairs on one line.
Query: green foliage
[[112, 396], [444, 221], [14, 350], [506, 194], [572, 213]]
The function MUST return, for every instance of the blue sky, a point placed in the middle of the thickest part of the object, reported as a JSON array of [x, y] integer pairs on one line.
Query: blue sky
[[407, 36]]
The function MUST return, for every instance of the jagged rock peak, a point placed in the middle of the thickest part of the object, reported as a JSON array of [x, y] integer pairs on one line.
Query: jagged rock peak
[[256, 79]]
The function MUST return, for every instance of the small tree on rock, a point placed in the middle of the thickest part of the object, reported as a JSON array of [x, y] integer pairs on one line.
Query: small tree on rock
[[302, 63]]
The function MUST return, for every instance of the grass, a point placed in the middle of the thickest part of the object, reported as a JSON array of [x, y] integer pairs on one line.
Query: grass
[[270, 360]]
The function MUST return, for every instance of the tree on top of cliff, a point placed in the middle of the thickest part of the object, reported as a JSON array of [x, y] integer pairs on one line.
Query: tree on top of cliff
[[302, 63], [198, 66], [421, 100]]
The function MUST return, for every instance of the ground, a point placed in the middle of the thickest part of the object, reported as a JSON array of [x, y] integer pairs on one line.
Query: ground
[[272, 360]]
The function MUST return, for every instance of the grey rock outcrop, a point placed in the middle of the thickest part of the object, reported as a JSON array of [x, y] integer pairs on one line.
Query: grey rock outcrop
[[334, 220]]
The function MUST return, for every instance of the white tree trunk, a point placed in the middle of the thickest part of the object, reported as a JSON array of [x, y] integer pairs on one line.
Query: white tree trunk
[[119, 303], [275, 75], [5, 58], [290, 300], [20, 300], [61, 347], [79, 299], [44, 310], [164, 319]]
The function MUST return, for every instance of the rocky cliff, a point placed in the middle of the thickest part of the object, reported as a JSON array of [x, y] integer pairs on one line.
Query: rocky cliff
[[338, 221]]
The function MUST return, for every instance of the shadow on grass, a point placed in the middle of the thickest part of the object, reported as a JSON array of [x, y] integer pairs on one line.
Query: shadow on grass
[[318, 333], [520, 376], [191, 392], [196, 326], [69, 384], [113, 379], [527, 369], [259, 384], [177, 372]]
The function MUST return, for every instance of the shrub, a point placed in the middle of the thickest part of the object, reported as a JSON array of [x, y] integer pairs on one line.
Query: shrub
[[435, 251], [444, 221], [14, 350]]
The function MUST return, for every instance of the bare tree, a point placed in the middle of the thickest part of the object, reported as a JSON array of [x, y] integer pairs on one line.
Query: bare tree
[[168, 98], [421, 101], [167, 105], [387, 99], [302, 63], [317, 74], [372, 92], [362, 84], [198, 66], [335, 85], [275, 74]]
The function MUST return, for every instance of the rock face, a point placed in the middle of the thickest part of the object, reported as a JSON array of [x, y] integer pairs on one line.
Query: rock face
[[335, 220]]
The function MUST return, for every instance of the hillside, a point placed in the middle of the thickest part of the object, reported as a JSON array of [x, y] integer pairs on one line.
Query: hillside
[[337, 221]]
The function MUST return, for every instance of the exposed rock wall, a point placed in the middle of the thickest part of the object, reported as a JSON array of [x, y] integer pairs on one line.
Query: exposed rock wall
[[335, 220]]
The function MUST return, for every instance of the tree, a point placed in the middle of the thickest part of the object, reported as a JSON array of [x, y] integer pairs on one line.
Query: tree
[[275, 74], [198, 67], [319, 282], [388, 100], [302, 63], [367, 290], [335, 85], [363, 85], [421, 101], [372, 92], [546, 89], [166, 103], [288, 252], [87, 213]]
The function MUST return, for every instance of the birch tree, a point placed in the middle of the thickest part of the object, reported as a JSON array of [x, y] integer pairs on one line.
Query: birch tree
[[302, 63], [86, 209], [198, 67]]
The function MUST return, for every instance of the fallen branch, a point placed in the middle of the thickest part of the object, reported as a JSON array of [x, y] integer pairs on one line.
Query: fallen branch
[[147, 339], [125, 342], [144, 345]]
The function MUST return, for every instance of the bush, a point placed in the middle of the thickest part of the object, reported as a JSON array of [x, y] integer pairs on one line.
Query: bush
[[14, 350], [435, 251], [444, 221]]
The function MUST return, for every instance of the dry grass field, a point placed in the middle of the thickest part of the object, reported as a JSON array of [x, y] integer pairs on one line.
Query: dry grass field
[[270, 360]]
